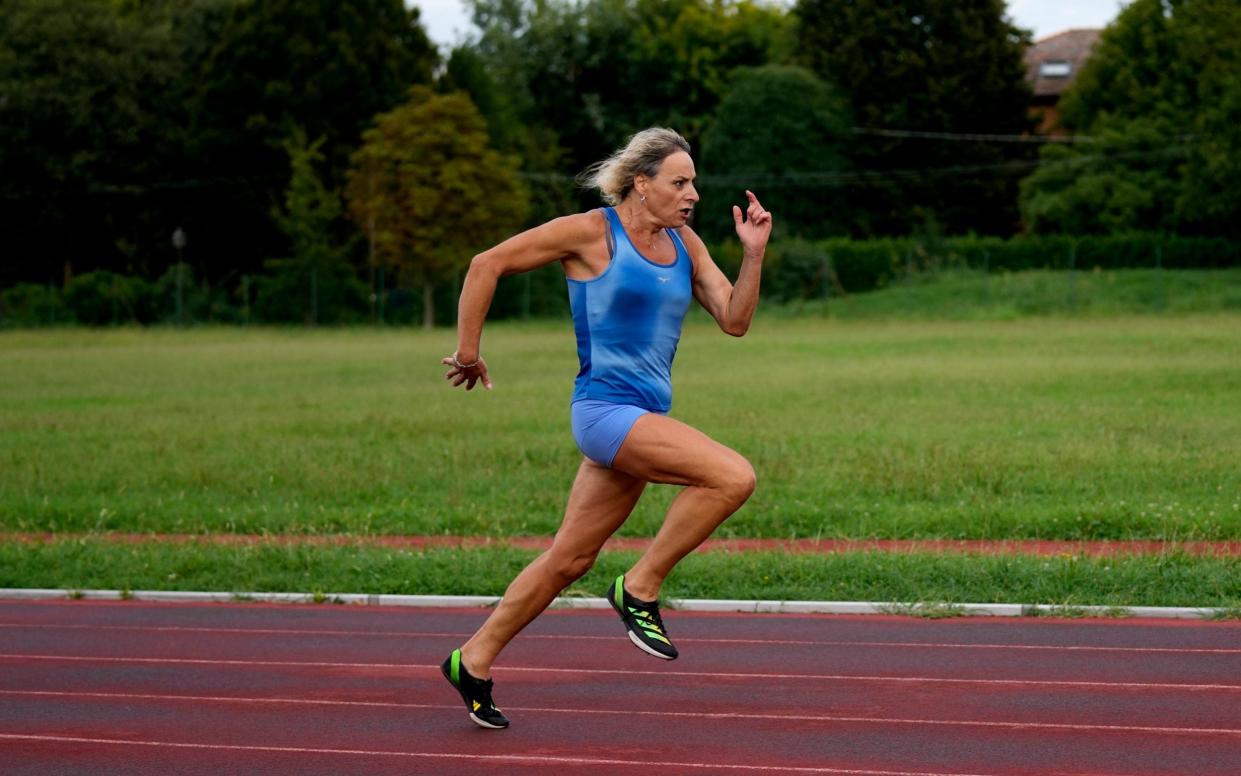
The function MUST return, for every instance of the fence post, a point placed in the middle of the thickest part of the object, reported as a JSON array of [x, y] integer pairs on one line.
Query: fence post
[[383, 294], [180, 283], [1072, 295], [1161, 301], [314, 296], [986, 277], [909, 275]]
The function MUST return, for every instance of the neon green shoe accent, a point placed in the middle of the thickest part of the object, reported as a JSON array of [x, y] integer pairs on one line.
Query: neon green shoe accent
[[620, 592], [657, 637], [456, 667]]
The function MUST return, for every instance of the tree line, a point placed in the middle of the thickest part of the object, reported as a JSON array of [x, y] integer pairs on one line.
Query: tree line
[[324, 162]]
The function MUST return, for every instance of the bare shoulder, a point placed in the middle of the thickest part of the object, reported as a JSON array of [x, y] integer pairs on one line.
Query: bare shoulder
[[569, 235], [690, 238], [694, 244], [581, 226]]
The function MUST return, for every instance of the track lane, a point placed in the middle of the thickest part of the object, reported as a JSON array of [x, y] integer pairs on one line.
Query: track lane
[[899, 723], [785, 742]]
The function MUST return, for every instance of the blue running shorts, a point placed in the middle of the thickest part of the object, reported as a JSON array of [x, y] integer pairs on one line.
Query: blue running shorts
[[599, 427]]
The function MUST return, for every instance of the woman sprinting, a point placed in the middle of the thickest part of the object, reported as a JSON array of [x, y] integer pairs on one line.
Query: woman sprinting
[[632, 269]]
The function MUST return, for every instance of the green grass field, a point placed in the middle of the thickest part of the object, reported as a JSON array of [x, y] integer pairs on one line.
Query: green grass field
[[1044, 428], [1170, 579], [1059, 427]]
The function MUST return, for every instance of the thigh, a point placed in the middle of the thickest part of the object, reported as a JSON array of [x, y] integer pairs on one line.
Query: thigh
[[661, 449], [599, 503]]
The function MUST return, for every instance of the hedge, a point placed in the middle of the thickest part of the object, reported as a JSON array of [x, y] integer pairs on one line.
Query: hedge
[[794, 269]]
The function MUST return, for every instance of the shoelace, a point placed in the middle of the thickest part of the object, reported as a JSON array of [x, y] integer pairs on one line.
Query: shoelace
[[650, 615]]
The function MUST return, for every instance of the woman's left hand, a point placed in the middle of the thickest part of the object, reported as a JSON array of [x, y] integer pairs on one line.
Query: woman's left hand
[[756, 228]]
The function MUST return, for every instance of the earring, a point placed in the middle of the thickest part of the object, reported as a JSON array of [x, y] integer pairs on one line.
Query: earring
[[643, 198]]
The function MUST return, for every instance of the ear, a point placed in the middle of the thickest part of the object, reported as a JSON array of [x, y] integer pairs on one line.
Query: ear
[[640, 182]]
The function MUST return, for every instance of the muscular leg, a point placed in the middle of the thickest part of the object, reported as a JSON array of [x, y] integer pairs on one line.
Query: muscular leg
[[600, 501], [718, 481]]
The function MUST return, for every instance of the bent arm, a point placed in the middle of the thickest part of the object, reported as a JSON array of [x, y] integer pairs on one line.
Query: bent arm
[[558, 239], [731, 305]]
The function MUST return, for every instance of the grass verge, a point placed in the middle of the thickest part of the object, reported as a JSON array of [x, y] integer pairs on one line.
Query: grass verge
[[1110, 428], [930, 579]]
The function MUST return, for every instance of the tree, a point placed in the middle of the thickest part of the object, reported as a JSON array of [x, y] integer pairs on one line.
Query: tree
[[84, 127], [937, 66], [1123, 181], [429, 191], [781, 132], [324, 65], [583, 76], [120, 119], [327, 66], [316, 281], [1161, 96]]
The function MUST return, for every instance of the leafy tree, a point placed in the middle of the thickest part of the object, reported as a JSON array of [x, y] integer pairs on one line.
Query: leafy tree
[[775, 123], [1124, 181], [430, 192], [1161, 94], [120, 119], [324, 65], [536, 145], [316, 282], [941, 66], [582, 76], [84, 124], [327, 66]]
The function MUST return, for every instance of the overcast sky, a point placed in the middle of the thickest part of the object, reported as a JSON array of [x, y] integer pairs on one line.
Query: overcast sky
[[446, 20]]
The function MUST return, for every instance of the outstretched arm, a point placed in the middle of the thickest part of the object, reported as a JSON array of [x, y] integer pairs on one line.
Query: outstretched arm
[[733, 305], [561, 238]]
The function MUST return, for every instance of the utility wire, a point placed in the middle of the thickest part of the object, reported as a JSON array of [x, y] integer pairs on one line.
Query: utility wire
[[821, 178], [842, 177], [973, 137]]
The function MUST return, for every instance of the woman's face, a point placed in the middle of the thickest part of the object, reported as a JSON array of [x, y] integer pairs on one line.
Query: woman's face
[[670, 194]]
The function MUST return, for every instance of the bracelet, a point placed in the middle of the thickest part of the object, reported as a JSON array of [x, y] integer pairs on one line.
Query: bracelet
[[460, 365]]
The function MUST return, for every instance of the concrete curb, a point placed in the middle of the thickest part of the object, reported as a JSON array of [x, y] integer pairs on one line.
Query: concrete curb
[[924, 609]]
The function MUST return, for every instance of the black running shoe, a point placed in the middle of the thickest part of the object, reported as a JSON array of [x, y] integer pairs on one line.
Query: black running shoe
[[475, 692], [642, 621]]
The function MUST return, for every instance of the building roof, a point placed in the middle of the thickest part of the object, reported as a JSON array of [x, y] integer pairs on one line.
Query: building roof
[[1052, 63]]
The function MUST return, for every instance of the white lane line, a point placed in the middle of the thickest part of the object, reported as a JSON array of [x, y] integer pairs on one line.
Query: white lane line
[[618, 672], [486, 758], [584, 637], [642, 713]]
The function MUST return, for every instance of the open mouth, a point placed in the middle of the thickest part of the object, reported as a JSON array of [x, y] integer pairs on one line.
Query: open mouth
[[687, 212]]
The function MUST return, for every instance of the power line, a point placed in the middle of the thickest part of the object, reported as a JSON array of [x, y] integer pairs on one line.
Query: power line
[[829, 178], [843, 177], [975, 137], [972, 137]]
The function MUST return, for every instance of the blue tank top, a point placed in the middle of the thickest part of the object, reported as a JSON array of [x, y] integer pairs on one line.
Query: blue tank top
[[628, 323]]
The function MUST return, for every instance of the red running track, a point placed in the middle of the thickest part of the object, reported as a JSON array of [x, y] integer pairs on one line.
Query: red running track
[[105, 688]]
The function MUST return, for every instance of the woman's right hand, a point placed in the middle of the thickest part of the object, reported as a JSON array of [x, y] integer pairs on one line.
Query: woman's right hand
[[469, 373]]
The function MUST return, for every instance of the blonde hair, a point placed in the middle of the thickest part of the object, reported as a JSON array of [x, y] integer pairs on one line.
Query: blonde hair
[[643, 154]]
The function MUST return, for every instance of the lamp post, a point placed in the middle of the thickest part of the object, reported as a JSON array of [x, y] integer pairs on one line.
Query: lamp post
[[178, 242]]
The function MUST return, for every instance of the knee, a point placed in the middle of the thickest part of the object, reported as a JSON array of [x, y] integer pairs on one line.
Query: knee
[[569, 567], [737, 480]]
